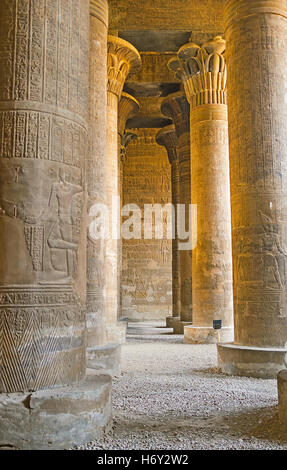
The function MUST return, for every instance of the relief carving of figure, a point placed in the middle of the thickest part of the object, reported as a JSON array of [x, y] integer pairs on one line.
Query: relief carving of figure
[[269, 250], [62, 233], [271, 247]]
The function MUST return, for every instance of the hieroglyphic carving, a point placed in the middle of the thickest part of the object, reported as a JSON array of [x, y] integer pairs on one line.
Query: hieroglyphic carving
[[128, 108], [52, 235], [177, 107], [154, 69], [43, 135], [197, 16], [31, 336], [147, 264], [96, 171], [48, 137], [34, 237], [123, 59], [167, 137], [257, 60], [202, 70]]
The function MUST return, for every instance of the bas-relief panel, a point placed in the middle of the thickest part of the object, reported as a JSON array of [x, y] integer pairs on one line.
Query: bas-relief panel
[[147, 264]]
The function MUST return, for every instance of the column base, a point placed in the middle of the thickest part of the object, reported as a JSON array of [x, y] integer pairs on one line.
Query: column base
[[282, 395], [105, 359], [247, 361], [207, 335], [171, 320], [57, 419], [117, 334], [178, 326]]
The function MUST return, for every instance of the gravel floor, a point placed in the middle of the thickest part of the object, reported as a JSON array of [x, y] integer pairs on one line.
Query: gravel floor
[[171, 396]]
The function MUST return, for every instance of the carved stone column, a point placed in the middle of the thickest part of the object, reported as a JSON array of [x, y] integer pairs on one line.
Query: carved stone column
[[96, 173], [203, 72], [128, 108], [101, 355], [123, 59], [44, 96], [177, 107], [167, 138], [257, 60]]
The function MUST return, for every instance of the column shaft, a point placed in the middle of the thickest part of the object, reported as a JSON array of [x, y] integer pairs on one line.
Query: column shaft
[[168, 139], [96, 171], [113, 244], [212, 259], [128, 108], [203, 72], [177, 107], [44, 113], [175, 189], [257, 60], [123, 59], [183, 147]]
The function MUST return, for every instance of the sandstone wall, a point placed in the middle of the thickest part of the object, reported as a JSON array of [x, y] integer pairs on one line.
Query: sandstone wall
[[147, 264]]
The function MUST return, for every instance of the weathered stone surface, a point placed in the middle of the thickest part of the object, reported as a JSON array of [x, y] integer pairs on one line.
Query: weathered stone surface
[[170, 321], [58, 418], [128, 108], [167, 138], [96, 172], [147, 264], [123, 59], [257, 60], [179, 326], [154, 69], [203, 72], [265, 363], [207, 335], [177, 107], [106, 359], [282, 395], [44, 50], [201, 17]]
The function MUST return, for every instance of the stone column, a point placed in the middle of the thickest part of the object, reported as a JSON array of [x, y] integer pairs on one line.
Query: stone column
[[177, 107], [203, 71], [167, 138], [257, 60], [101, 355], [96, 174], [44, 98], [123, 59], [128, 108]]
